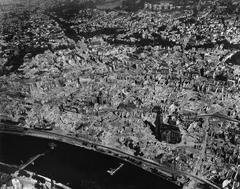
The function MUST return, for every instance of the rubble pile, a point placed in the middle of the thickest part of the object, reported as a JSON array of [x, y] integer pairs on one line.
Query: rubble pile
[[158, 86]]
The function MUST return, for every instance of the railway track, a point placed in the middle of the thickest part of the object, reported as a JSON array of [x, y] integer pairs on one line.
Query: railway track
[[148, 165]]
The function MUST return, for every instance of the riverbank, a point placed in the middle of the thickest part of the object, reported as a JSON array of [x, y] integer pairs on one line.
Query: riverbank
[[78, 167]]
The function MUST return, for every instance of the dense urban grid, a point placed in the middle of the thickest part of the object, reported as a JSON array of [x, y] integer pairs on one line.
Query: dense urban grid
[[159, 84]]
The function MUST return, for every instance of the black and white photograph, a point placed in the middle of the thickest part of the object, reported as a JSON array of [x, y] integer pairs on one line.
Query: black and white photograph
[[119, 94]]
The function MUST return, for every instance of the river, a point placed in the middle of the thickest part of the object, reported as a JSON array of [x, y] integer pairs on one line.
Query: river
[[77, 167]]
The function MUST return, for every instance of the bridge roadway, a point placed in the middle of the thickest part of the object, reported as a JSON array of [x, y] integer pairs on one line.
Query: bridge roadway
[[146, 164]]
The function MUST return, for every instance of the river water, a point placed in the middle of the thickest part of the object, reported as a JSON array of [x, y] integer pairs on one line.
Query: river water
[[76, 167]]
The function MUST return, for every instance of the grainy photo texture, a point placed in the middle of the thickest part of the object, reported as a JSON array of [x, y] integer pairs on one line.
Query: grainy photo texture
[[119, 94]]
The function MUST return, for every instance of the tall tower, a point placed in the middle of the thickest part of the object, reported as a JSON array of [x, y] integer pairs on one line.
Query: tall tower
[[158, 122]]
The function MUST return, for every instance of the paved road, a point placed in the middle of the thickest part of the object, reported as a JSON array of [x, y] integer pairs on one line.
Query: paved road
[[150, 166], [197, 167]]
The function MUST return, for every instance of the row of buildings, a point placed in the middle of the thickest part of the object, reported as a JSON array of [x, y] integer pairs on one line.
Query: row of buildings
[[159, 6]]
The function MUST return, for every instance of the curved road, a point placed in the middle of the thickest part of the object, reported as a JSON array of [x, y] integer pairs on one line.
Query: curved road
[[150, 166]]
